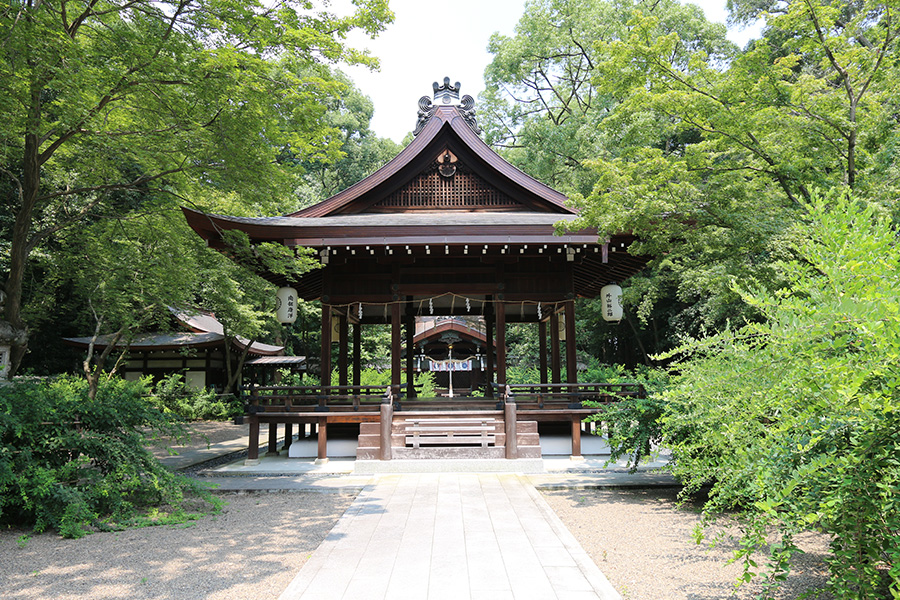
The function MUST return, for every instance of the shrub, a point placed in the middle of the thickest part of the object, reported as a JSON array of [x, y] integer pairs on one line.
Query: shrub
[[75, 465], [796, 420], [173, 395], [633, 425]]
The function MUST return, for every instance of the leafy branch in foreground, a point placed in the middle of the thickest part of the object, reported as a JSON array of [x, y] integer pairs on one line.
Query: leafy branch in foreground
[[795, 421]]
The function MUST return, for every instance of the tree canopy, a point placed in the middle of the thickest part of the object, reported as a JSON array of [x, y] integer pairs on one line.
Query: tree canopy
[[655, 124], [108, 107]]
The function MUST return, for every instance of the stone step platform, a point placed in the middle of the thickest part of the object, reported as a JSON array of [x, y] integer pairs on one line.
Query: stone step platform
[[449, 465]]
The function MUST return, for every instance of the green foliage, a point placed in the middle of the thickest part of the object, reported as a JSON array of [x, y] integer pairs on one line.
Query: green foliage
[[542, 106], [523, 375], [709, 156], [77, 465], [632, 425], [796, 420], [374, 377], [171, 394], [113, 111], [268, 257]]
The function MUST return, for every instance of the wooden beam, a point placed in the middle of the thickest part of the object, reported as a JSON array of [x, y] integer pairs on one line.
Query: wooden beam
[[322, 445], [253, 445], [576, 437], [273, 440]]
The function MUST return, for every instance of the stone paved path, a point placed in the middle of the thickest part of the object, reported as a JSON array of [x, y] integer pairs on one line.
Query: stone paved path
[[453, 536]]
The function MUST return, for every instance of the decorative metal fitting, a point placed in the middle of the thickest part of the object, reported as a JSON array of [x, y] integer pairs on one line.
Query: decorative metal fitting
[[446, 94]]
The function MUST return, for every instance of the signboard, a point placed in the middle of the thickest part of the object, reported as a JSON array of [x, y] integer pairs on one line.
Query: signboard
[[451, 365]]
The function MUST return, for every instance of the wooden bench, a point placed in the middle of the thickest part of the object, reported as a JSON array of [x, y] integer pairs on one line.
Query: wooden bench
[[450, 432]]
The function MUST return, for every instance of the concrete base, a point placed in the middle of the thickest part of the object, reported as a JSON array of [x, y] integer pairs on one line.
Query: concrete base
[[335, 448], [251, 462], [473, 465], [578, 458], [559, 445]]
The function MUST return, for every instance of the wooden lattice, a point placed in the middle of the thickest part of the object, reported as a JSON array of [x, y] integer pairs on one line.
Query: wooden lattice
[[464, 190]]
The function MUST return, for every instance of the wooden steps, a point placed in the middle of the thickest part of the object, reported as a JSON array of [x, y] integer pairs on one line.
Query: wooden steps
[[445, 435]]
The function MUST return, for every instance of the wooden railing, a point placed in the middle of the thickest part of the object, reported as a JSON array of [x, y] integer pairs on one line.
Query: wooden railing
[[263, 399], [569, 395], [288, 399]]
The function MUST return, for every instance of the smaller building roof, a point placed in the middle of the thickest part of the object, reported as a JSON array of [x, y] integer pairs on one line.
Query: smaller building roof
[[206, 332], [153, 341], [296, 361]]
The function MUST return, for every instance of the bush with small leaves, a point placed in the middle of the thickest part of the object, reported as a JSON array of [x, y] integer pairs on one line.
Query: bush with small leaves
[[78, 465]]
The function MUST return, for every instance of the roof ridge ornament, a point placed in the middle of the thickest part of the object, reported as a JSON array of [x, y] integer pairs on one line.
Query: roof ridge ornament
[[446, 94]]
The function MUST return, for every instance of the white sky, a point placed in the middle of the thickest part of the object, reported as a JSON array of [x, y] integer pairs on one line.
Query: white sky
[[431, 40]]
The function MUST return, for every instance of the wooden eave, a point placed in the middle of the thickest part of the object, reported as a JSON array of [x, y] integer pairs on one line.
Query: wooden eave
[[387, 230], [434, 333], [445, 129]]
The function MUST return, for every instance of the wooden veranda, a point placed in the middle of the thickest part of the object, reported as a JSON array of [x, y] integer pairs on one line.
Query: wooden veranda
[[446, 228], [389, 414]]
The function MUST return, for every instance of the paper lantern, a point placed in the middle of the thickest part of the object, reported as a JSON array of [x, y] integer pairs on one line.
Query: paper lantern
[[286, 305], [612, 303]]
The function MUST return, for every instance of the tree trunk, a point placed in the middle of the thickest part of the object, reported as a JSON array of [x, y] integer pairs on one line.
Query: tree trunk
[[235, 374], [19, 248], [93, 372]]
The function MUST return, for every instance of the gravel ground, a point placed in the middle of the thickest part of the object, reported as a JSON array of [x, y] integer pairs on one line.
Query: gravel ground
[[250, 551], [203, 433], [643, 543], [255, 547]]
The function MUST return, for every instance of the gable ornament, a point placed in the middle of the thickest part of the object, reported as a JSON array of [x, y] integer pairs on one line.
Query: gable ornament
[[446, 94]]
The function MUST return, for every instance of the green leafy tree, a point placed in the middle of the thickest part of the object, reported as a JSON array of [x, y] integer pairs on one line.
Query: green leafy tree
[[103, 97], [361, 151], [794, 420], [547, 109], [542, 106], [745, 140]]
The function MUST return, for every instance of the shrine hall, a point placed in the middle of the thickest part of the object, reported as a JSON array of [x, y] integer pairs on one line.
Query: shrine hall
[[445, 229]]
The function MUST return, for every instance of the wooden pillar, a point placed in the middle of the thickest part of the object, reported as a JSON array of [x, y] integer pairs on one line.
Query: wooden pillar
[[395, 347], [253, 445], [571, 358], [322, 448], [576, 437], [410, 350], [343, 351], [554, 348], [288, 436], [325, 361], [489, 352], [273, 439], [542, 349], [357, 353], [500, 310]]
